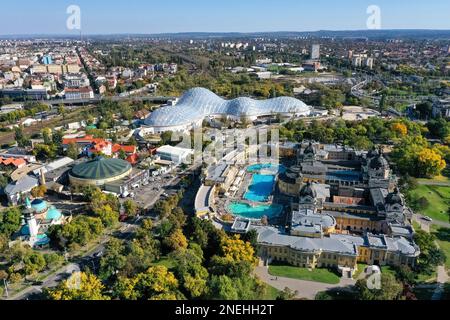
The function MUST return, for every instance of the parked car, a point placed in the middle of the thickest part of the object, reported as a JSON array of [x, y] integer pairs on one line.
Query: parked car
[[427, 219]]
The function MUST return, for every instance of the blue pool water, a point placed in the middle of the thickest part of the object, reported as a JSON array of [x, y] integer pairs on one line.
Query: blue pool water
[[257, 212], [260, 188]]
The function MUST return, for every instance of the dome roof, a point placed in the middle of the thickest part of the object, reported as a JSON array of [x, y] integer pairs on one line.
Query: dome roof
[[39, 205], [198, 103], [309, 149], [100, 169], [308, 191], [372, 153], [378, 162]]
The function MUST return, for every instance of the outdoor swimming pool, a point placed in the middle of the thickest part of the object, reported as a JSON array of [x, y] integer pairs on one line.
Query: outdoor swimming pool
[[255, 212], [260, 188]]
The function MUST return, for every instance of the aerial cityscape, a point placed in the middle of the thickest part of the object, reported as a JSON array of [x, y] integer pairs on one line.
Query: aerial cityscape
[[209, 162]]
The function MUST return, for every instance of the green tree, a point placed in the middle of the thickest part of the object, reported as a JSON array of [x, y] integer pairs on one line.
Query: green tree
[[80, 286], [72, 151], [157, 283], [390, 289], [10, 221]]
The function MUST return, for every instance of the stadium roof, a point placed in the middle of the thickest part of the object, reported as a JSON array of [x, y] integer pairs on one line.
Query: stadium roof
[[198, 103]]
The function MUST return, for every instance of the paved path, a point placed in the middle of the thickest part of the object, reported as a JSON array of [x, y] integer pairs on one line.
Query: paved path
[[426, 224], [305, 289], [442, 279], [434, 183]]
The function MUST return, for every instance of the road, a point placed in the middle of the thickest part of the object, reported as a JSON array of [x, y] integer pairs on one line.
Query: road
[[98, 98]]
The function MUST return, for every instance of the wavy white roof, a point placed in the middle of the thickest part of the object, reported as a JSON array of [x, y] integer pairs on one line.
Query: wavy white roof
[[198, 103]]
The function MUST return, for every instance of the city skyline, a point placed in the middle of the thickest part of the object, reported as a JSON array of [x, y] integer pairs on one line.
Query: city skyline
[[176, 16]]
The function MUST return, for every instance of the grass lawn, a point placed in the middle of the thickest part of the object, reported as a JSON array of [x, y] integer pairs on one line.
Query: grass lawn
[[271, 293], [439, 199], [443, 238], [361, 267], [316, 275], [166, 262], [388, 270]]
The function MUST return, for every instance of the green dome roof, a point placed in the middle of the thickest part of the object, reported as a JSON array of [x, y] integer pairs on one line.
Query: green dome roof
[[100, 168]]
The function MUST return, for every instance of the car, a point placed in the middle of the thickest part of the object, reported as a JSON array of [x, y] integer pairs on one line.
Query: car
[[426, 218], [98, 254]]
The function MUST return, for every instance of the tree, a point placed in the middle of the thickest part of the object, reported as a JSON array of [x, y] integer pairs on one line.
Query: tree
[[57, 137], [79, 231], [157, 283], [400, 129], [45, 152], [287, 294], [222, 288], [130, 207], [383, 104], [10, 221], [19, 136], [80, 286], [430, 163], [430, 255], [72, 151], [47, 135], [39, 191], [107, 215], [34, 262], [113, 260], [390, 289], [425, 110], [62, 112], [189, 269], [176, 240]]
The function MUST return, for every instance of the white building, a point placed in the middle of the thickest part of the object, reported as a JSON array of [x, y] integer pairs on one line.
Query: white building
[[175, 154]]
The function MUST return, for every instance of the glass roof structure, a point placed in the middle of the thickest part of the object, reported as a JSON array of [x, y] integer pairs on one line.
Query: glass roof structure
[[198, 103]]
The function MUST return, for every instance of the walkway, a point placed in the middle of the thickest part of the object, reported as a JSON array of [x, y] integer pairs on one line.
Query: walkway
[[305, 289], [442, 279]]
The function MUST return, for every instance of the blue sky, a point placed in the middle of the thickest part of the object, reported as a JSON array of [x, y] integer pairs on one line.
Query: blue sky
[[156, 16]]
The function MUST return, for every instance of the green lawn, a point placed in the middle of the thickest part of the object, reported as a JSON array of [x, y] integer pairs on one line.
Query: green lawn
[[443, 239], [166, 262], [316, 275], [271, 293], [361, 267], [388, 270], [439, 199]]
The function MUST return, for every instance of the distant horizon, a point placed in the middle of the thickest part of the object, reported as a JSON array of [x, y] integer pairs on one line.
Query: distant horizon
[[77, 34], [102, 17]]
